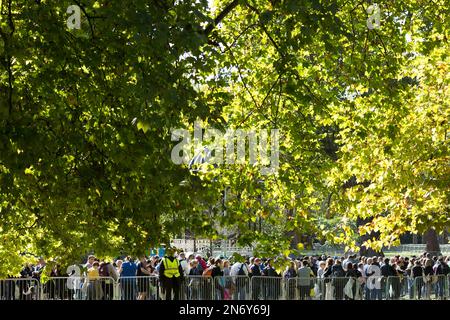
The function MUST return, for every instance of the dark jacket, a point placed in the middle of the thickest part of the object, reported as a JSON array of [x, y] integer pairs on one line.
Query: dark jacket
[[269, 271], [353, 273], [438, 268], [337, 271], [256, 270], [290, 273], [445, 269], [428, 270], [195, 272], [26, 272], [387, 270], [216, 272], [417, 271]]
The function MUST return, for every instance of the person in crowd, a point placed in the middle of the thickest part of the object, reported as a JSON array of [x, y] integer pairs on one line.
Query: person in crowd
[[194, 280], [290, 275], [240, 271], [440, 279], [25, 285], [154, 262], [118, 266], [387, 272], [327, 274], [171, 275], [312, 262], [201, 263], [427, 277], [128, 271], [108, 275], [94, 290], [351, 259], [55, 287], [89, 262], [184, 263], [218, 279], [39, 268], [272, 284], [305, 280], [339, 281], [321, 270], [255, 271], [353, 283], [143, 273], [373, 282], [227, 292]]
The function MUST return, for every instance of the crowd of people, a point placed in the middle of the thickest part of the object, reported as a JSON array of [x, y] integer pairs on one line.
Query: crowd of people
[[319, 277]]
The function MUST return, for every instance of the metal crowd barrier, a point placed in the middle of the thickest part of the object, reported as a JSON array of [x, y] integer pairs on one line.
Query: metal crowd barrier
[[233, 288], [225, 286], [228, 288], [19, 289], [431, 287], [197, 288], [138, 288], [77, 288], [304, 289], [342, 288], [267, 288]]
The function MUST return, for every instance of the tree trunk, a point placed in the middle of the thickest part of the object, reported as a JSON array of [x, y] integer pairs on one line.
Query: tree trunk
[[363, 251], [415, 240], [431, 240]]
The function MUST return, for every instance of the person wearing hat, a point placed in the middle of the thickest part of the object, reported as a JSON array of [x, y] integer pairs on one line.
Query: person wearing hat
[[171, 275]]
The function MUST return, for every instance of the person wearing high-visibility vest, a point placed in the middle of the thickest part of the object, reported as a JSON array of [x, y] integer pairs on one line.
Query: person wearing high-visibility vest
[[171, 275]]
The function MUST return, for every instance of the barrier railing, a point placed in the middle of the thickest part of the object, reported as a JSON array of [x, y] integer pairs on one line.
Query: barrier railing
[[78, 288], [233, 288], [227, 288], [304, 289], [394, 288], [138, 288], [267, 288], [431, 287], [59, 288], [198, 288], [341, 288], [19, 289]]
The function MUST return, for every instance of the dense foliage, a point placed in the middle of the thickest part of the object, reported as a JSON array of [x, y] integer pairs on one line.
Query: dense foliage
[[86, 118]]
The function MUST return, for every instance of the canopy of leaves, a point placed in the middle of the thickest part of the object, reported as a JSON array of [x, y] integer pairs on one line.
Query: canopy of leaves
[[86, 118]]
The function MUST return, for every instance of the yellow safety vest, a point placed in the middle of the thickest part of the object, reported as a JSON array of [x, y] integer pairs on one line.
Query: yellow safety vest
[[171, 268]]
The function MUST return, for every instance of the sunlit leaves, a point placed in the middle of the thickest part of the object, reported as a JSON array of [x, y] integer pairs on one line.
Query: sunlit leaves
[[85, 150]]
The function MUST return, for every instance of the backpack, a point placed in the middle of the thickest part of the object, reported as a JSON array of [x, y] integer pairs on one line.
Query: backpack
[[241, 271], [207, 272], [338, 273], [438, 269], [445, 269], [103, 271]]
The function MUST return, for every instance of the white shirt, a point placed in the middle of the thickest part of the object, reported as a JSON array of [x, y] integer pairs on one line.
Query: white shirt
[[236, 267], [320, 272], [184, 266], [374, 281], [344, 264]]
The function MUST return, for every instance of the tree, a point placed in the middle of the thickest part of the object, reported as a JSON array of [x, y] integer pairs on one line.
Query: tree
[[432, 242], [86, 118]]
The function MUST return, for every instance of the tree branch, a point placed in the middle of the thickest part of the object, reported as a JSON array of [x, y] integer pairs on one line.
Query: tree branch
[[210, 27], [78, 3]]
